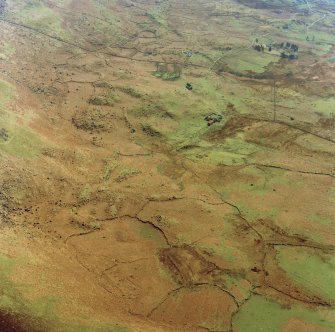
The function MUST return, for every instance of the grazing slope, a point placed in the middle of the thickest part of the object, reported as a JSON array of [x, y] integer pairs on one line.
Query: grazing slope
[[129, 202]]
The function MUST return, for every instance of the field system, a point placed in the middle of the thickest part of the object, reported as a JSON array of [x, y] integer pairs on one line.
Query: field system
[[167, 166]]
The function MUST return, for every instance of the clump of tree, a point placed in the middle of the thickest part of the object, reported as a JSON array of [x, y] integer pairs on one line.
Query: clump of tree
[[290, 51], [168, 71], [287, 50], [288, 56], [289, 46], [259, 48]]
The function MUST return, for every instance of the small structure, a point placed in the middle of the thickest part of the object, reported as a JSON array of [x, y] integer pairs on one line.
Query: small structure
[[189, 86], [189, 54], [212, 118]]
